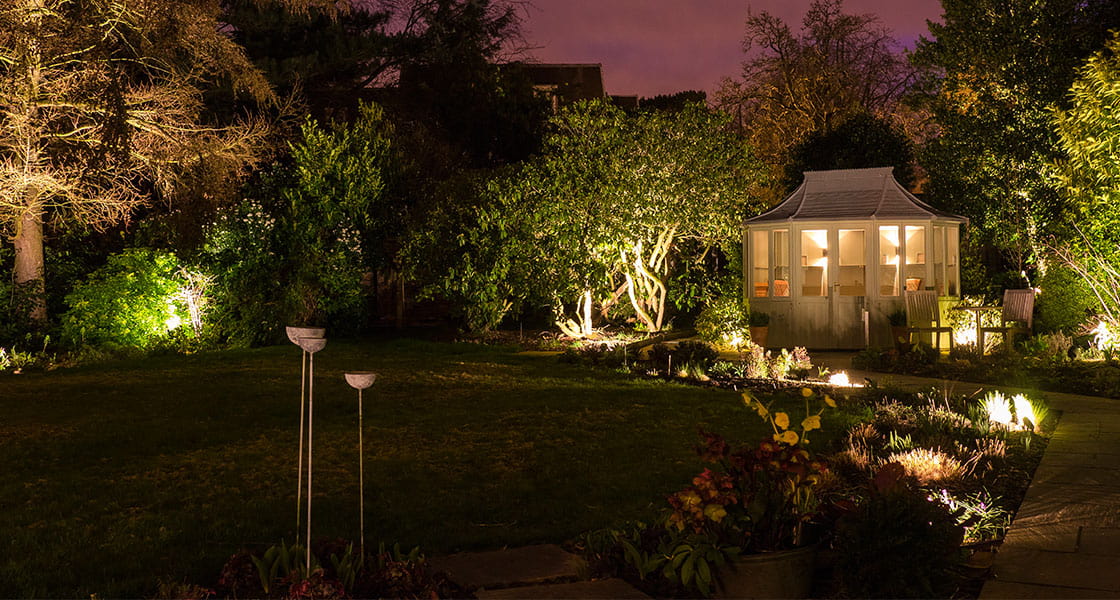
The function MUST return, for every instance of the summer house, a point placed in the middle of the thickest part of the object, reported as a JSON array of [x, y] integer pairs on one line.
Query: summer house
[[832, 260]]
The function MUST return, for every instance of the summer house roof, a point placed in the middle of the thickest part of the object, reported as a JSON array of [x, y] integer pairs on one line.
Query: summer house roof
[[851, 194]]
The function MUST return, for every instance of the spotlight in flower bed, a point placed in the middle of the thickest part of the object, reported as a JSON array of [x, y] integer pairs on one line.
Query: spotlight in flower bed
[[841, 380], [1016, 414]]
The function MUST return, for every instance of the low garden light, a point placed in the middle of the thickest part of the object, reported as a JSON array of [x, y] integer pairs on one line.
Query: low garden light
[[310, 340], [998, 409]]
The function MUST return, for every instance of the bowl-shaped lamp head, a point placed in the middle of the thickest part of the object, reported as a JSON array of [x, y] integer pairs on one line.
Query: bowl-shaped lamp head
[[294, 333], [361, 380], [312, 344]]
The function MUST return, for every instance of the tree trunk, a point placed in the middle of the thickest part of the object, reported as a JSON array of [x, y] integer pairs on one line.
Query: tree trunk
[[29, 280]]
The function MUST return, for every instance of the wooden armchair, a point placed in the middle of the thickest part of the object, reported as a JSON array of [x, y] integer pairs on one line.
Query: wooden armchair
[[923, 314], [1017, 316]]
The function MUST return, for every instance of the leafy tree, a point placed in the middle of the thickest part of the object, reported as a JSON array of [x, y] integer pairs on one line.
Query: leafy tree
[[595, 223], [673, 102], [863, 140], [992, 71], [102, 110], [1088, 133], [794, 84], [297, 249]]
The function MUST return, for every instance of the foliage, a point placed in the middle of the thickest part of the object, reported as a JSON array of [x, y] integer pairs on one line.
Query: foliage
[[724, 322], [860, 141], [337, 571], [763, 496], [104, 102], [137, 299], [980, 514], [795, 83], [1066, 300], [594, 222], [992, 103], [660, 561], [897, 318], [1088, 133], [758, 319], [896, 543], [295, 250]]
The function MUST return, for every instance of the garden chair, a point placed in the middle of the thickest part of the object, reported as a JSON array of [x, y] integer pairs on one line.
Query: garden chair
[[923, 314], [1017, 316]]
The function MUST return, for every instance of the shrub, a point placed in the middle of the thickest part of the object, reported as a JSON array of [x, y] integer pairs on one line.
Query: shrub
[[896, 543], [136, 300], [1066, 300], [724, 322]]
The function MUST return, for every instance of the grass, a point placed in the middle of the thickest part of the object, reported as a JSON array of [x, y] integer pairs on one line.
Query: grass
[[122, 475]]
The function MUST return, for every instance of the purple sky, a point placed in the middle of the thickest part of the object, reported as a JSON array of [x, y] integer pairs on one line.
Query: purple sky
[[650, 47]]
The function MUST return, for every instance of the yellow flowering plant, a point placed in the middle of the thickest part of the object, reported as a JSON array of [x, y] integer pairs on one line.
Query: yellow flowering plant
[[762, 496]]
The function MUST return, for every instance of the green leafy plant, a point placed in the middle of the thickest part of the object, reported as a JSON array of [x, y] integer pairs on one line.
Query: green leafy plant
[[282, 562], [137, 299], [896, 543], [724, 322], [762, 496], [759, 319], [897, 318]]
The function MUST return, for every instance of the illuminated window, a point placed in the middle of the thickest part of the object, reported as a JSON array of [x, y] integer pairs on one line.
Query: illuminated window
[[781, 263], [760, 250], [814, 262], [888, 261], [853, 263], [952, 271], [915, 273]]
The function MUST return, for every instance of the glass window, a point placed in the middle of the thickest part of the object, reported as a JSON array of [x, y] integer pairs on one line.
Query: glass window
[[952, 271], [888, 261], [760, 253], [814, 262], [915, 249], [781, 263], [939, 259], [853, 263]]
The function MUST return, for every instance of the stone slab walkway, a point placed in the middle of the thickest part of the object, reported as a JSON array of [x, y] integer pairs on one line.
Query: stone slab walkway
[[540, 571]]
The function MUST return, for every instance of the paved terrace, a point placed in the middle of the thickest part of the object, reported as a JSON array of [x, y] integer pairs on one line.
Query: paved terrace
[[1065, 539]]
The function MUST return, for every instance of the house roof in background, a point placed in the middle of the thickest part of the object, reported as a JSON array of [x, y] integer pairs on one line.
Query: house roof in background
[[852, 194]]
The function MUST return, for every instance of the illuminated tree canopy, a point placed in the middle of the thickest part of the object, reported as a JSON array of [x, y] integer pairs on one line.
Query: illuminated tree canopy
[[1089, 135], [992, 72], [594, 222], [101, 105]]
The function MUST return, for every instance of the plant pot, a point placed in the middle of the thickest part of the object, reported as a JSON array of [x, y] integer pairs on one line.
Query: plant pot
[[784, 574], [759, 335]]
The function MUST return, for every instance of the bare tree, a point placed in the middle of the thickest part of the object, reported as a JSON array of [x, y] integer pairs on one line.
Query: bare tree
[[794, 84], [101, 111]]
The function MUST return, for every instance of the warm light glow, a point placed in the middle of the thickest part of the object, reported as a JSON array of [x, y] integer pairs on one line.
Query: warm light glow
[[840, 379], [928, 466], [998, 409], [1024, 411], [965, 334], [1104, 338]]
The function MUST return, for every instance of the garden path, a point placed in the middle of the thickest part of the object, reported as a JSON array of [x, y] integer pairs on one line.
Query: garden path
[[1065, 539]]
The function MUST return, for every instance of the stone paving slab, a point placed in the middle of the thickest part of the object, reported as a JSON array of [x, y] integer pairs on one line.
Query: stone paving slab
[[1053, 538], [1068, 569], [1100, 540], [1056, 493], [591, 590], [1068, 514], [1081, 459], [995, 590], [1077, 475], [1109, 446], [543, 563]]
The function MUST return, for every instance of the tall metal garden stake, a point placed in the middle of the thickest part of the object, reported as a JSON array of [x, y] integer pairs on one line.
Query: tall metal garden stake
[[311, 345], [294, 335], [361, 380]]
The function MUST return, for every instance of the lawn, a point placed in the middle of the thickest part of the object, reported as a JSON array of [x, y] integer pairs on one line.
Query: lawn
[[124, 474]]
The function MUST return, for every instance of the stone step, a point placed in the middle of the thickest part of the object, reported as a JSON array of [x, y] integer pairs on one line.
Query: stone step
[[514, 567], [591, 590]]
